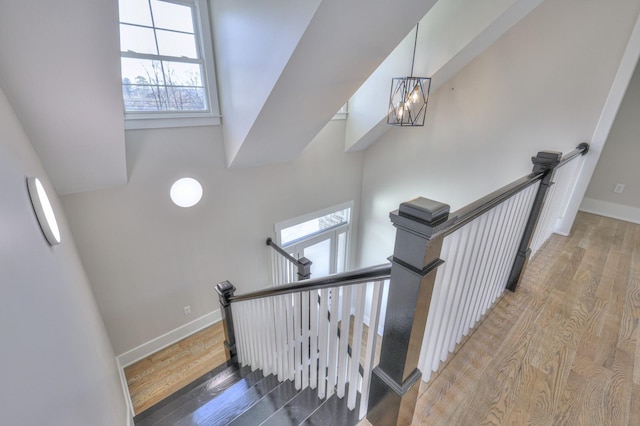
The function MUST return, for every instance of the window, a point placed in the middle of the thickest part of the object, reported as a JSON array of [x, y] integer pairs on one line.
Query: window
[[322, 237], [166, 62]]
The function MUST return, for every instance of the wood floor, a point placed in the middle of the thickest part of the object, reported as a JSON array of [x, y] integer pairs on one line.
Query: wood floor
[[159, 375], [563, 350]]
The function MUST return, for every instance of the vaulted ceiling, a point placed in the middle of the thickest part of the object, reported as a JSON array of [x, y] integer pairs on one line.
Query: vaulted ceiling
[[284, 68]]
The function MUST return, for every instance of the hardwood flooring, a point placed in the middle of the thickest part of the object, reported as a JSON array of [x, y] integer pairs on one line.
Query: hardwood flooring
[[159, 375], [564, 349]]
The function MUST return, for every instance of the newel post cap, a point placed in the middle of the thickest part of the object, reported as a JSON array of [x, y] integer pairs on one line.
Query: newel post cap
[[425, 210], [225, 290]]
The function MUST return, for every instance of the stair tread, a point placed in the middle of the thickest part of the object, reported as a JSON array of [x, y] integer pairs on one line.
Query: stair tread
[[334, 412], [203, 395], [236, 406], [267, 406], [296, 410]]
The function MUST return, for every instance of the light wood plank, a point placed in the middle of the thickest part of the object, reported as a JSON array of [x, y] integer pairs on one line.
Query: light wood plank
[[152, 379], [563, 349]]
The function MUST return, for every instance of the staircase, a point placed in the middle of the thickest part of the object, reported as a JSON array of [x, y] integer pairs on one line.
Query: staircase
[[447, 270], [234, 395]]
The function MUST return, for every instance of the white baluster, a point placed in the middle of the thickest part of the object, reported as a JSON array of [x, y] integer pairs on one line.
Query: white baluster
[[313, 336], [297, 343], [270, 336], [454, 267], [261, 333], [333, 343], [252, 318], [344, 341], [237, 327], [290, 338], [280, 327], [478, 268], [305, 340], [466, 282], [356, 347], [323, 345], [370, 352]]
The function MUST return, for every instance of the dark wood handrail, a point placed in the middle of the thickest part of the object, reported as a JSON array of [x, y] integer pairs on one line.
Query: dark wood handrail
[[581, 149], [471, 211], [280, 250], [358, 276], [466, 214]]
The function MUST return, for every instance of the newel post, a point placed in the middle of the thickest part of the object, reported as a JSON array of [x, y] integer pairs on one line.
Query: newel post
[[304, 269], [545, 162], [416, 256], [225, 290]]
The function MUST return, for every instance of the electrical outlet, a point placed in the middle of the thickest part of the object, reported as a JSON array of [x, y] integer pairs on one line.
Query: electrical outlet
[[619, 188], [187, 310]]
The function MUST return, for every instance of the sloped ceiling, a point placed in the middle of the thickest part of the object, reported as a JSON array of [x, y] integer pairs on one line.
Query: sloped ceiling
[[270, 113], [59, 67], [284, 67]]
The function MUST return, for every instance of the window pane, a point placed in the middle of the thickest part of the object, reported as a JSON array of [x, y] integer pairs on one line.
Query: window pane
[[313, 226], [320, 256], [135, 12], [143, 98], [172, 16], [182, 74], [137, 39], [176, 44], [141, 71], [186, 99]]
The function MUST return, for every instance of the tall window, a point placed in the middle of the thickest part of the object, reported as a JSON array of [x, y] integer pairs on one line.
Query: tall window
[[322, 237], [166, 59]]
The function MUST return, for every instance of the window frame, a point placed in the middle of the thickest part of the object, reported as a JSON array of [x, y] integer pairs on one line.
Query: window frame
[[296, 247], [204, 46]]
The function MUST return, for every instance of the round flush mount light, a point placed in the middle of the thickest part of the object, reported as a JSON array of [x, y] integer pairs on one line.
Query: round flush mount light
[[186, 192], [44, 211]]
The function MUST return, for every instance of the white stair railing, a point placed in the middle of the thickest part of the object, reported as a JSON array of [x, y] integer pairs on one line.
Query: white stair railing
[[564, 181], [285, 268], [319, 338], [448, 270], [477, 261]]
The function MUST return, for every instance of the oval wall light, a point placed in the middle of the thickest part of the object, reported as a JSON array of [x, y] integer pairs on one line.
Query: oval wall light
[[44, 211], [186, 192]]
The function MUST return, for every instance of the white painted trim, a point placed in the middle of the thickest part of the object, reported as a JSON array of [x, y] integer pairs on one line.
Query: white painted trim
[[167, 339], [163, 122], [127, 395], [612, 210], [608, 115]]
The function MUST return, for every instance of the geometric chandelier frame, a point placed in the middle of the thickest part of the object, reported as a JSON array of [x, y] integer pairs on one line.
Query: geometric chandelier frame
[[408, 101], [409, 97]]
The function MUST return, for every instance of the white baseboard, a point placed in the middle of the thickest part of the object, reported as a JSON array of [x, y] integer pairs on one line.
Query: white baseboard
[[612, 210], [167, 339], [127, 395]]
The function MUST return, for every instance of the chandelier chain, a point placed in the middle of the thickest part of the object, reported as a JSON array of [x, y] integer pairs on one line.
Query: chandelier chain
[[415, 42]]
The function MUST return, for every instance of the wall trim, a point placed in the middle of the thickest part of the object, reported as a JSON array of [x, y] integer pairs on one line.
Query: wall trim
[[612, 210], [167, 339], [125, 392]]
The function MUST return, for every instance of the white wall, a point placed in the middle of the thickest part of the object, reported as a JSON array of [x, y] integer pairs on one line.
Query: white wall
[[60, 69], [57, 365], [619, 163], [147, 258], [540, 86]]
